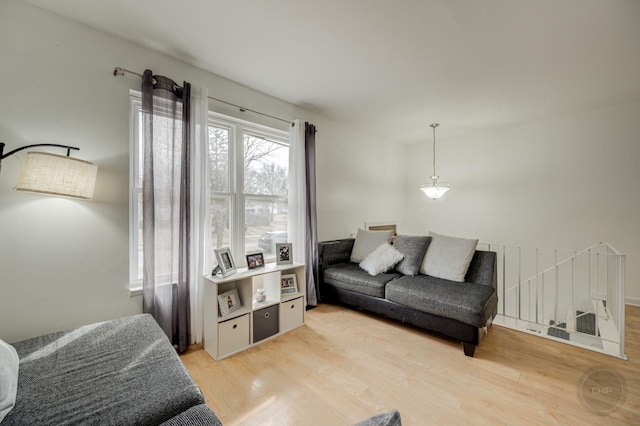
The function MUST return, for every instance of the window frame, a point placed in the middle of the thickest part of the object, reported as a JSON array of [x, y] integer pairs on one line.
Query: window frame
[[235, 195], [236, 169]]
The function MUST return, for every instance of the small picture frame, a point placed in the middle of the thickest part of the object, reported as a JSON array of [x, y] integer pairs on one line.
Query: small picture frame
[[284, 254], [229, 301], [255, 260], [225, 262], [288, 284]]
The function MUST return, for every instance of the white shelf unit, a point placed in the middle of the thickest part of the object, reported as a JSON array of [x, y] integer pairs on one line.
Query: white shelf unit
[[237, 331]]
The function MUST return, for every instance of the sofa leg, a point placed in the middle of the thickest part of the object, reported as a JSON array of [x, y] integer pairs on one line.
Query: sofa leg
[[469, 348]]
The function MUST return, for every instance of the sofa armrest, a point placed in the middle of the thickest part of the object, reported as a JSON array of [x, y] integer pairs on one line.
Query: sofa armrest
[[483, 268], [334, 252], [198, 415]]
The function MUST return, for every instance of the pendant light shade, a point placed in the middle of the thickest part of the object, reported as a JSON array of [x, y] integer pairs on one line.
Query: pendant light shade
[[434, 189]]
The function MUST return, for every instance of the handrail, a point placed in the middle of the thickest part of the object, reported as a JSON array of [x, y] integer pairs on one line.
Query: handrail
[[575, 255], [597, 273]]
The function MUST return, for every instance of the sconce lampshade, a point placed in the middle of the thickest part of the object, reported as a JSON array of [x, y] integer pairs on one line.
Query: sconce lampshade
[[58, 175]]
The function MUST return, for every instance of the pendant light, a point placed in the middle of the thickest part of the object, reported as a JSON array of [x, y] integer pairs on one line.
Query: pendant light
[[434, 189]]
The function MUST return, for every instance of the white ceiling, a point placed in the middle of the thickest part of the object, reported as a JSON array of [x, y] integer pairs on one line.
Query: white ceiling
[[397, 66]]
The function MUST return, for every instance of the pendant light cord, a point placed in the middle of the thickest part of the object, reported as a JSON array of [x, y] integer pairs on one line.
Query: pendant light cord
[[433, 126]]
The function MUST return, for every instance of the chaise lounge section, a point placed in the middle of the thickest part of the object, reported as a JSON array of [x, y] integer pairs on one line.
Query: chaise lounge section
[[120, 372]]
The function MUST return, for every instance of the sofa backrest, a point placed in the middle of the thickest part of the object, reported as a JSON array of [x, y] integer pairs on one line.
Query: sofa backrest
[[483, 268]]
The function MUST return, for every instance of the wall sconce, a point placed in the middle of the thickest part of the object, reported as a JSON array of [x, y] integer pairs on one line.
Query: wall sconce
[[53, 174]]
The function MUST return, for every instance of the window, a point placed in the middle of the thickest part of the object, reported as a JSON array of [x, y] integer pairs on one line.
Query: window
[[248, 169], [249, 191]]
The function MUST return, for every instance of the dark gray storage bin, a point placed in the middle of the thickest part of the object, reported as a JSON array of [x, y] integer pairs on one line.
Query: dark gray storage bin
[[265, 323]]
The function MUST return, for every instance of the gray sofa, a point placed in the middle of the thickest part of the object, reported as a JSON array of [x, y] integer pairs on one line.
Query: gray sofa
[[121, 372], [460, 310]]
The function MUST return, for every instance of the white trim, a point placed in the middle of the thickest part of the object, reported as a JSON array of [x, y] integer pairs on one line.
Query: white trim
[[634, 301], [135, 105]]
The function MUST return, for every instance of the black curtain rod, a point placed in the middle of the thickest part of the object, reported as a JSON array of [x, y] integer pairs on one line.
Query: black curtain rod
[[119, 71]]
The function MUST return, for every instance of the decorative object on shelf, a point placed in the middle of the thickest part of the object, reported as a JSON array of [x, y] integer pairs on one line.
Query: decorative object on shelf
[[255, 260], [284, 254], [434, 189], [229, 302], [260, 296], [288, 284], [226, 266], [53, 174]]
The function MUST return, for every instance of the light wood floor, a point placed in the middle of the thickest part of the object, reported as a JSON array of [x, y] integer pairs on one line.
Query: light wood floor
[[346, 365]]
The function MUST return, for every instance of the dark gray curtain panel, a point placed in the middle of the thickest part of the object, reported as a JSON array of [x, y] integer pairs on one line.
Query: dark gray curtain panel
[[311, 219], [166, 202]]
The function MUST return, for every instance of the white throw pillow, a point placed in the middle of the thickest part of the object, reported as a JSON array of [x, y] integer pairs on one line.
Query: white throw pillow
[[381, 259], [448, 257], [9, 363], [366, 242]]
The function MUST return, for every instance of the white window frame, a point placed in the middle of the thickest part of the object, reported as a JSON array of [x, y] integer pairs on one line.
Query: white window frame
[[235, 195], [135, 191], [236, 169]]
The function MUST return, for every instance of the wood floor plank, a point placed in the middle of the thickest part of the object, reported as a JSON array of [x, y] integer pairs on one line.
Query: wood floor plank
[[345, 365]]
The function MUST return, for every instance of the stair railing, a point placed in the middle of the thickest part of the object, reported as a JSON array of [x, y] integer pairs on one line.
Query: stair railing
[[604, 295]]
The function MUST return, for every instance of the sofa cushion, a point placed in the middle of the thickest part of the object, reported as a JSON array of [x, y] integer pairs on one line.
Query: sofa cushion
[[349, 276], [448, 257], [381, 259], [366, 242], [468, 303], [413, 247], [9, 367], [120, 372]]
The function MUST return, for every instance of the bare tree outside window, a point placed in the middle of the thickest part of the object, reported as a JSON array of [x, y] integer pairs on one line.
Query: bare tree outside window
[[265, 187]]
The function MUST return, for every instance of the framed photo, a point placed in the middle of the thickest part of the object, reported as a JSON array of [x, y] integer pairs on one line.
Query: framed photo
[[229, 301], [225, 262], [255, 260], [284, 254], [382, 226], [288, 284]]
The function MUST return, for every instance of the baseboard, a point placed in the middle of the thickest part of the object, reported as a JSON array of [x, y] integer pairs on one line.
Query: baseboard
[[635, 301]]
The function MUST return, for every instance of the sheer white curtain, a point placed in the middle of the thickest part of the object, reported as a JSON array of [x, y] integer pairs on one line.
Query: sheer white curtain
[[302, 215], [297, 192], [200, 217]]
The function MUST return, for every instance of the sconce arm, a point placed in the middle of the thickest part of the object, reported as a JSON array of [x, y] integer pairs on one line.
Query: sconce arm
[[3, 156]]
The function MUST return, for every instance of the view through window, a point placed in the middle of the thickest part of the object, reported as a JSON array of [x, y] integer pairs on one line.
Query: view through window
[[248, 169]]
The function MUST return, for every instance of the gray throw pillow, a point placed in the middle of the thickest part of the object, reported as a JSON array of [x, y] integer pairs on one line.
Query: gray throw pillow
[[366, 242], [413, 247], [448, 257]]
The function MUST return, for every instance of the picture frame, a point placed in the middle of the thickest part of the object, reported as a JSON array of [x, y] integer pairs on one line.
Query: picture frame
[[226, 265], [284, 254], [255, 260], [229, 302], [288, 284], [387, 225]]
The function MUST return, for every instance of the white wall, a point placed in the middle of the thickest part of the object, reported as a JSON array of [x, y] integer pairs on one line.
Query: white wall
[[566, 182], [64, 263]]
